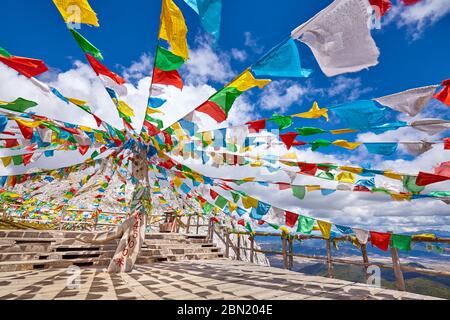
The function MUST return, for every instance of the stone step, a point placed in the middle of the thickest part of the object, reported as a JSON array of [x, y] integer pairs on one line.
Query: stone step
[[178, 257], [8, 266], [25, 256]]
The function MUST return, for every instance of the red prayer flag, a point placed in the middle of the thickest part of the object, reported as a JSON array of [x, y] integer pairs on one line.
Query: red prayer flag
[[288, 138], [83, 149], [361, 189], [26, 66], [443, 169], [98, 120], [27, 158], [11, 143], [151, 129], [284, 186], [307, 168], [256, 126], [380, 240], [27, 132], [213, 194], [410, 2], [447, 144], [444, 94], [169, 78], [261, 222], [424, 179], [100, 69], [241, 222], [213, 110], [291, 218]]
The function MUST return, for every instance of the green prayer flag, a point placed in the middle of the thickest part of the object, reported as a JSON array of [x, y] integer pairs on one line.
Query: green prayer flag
[[221, 202], [225, 98], [309, 131], [248, 226], [120, 135], [86, 46], [235, 196], [319, 143], [326, 175], [299, 192], [440, 193], [274, 226], [94, 154], [283, 122], [305, 224], [207, 208], [159, 122], [167, 61], [401, 242], [17, 160], [409, 183], [18, 105], [4, 53]]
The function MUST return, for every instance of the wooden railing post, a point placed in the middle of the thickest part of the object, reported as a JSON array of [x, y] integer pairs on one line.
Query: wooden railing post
[[252, 249], [227, 244], [291, 257], [188, 224], [329, 262], [285, 260], [238, 253], [365, 259], [198, 224], [399, 280]]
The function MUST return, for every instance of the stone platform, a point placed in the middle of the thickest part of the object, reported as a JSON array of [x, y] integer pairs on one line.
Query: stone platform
[[190, 280]]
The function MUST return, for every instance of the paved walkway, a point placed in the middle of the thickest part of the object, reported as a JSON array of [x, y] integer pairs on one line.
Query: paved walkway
[[211, 279]]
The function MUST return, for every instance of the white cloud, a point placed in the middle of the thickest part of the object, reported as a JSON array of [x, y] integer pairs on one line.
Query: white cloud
[[280, 95], [253, 43], [139, 69], [350, 88], [239, 55]]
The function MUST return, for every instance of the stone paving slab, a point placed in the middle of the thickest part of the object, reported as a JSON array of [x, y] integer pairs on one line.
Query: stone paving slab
[[186, 280]]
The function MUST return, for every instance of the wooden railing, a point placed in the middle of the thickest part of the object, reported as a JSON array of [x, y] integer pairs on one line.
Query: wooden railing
[[288, 255]]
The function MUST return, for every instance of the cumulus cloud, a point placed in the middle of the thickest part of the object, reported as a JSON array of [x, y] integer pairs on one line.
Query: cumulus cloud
[[350, 88], [239, 55], [252, 43], [418, 17]]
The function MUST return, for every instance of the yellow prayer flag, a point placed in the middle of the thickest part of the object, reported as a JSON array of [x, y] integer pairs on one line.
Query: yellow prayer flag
[[355, 170], [77, 11], [313, 188], [29, 124], [173, 28], [6, 161], [314, 113], [87, 129], [257, 164], [78, 102], [400, 197], [125, 108], [346, 177], [325, 228], [249, 202], [232, 206], [347, 145], [289, 156], [423, 236], [393, 175], [152, 111], [99, 138], [247, 81]]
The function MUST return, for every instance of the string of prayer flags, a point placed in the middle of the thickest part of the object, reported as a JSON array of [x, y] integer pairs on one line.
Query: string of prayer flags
[[411, 101], [339, 37], [84, 12], [219, 105], [380, 240], [282, 61], [210, 12], [444, 94], [26, 66], [173, 28]]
